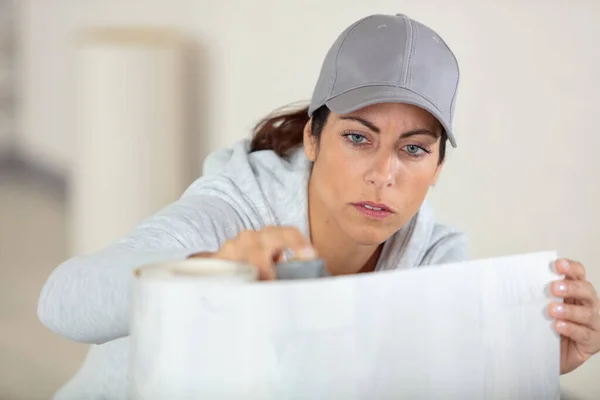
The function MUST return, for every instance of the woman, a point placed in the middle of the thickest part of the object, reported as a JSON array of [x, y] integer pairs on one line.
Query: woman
[[345, 178]]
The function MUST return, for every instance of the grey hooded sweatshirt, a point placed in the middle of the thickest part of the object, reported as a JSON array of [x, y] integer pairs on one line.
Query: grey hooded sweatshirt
[[87, 299]]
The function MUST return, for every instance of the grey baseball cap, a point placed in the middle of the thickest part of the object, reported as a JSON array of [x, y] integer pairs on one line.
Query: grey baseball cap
[[389, 58]]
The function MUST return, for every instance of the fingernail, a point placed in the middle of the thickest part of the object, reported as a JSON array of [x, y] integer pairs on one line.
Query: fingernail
[[564, 264], [560, 288], [282, 258], [558, 309], [561, 325], [307, 252]]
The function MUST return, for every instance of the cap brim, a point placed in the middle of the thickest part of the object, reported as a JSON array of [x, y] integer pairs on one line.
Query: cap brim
[[356, 99]]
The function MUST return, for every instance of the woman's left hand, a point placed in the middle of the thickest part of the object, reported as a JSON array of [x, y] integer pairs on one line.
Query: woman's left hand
[[578, 318]]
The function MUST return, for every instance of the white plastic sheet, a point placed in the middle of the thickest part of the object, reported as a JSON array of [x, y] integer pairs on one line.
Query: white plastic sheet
[[469, 330]]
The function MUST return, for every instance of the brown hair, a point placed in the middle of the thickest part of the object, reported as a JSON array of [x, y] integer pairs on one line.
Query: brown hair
[[283, 131]]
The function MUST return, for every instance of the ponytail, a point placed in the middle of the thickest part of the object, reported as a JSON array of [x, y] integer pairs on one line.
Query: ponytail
[[283, 131]]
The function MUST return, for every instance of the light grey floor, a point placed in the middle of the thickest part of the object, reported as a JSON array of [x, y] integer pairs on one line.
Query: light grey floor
[[34, 362]]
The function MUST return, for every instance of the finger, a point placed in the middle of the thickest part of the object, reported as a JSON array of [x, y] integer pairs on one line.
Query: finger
[[273, 243], [578, 333], [571, 269], [289, 238], [575, 290], [251, 249], [236, 249], [262, 258], [244, 248], [581, 315], [228, 251]]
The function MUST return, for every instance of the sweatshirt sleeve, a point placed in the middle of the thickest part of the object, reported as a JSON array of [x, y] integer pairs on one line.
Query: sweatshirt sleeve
[[87, 299]]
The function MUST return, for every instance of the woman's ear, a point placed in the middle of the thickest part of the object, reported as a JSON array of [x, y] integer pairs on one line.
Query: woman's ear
[[310, 142]]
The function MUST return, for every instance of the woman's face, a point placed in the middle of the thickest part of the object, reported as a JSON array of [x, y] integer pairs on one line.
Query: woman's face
[[373, 167]]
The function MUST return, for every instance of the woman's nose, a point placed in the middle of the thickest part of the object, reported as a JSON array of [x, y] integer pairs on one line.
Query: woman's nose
[[382, 172]]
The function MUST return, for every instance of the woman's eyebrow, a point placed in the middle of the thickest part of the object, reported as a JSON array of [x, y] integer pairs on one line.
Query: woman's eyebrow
[[375, 129], [363, 121]]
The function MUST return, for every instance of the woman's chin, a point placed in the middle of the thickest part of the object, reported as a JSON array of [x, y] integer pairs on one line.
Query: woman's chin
[[370, 236]]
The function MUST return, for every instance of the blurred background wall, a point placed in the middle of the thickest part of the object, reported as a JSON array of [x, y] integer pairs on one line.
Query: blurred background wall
[[524, 177]]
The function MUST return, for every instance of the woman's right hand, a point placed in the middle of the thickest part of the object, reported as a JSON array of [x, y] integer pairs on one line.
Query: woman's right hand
[[264, 248]]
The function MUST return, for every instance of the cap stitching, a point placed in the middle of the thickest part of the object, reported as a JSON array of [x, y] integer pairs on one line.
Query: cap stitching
[[335, 64], [404, 72], [318, 102], [327, 93], [451, 110], [414, 38]]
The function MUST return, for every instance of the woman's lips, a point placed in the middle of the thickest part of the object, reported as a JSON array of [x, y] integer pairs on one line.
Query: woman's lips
[[373, 210]]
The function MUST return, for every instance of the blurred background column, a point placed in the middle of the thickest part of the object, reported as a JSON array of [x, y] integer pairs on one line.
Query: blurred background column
[[129, 158], [7, 77]]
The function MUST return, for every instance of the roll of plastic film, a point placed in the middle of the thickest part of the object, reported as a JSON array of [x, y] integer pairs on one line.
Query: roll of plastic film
[[163, 318]]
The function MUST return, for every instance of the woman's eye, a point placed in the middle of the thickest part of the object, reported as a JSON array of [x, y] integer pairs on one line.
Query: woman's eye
[[413, 150], [356, 138]]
